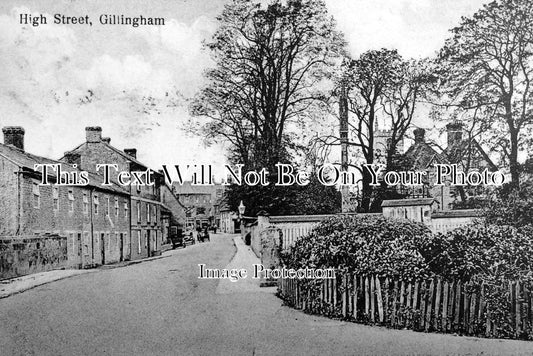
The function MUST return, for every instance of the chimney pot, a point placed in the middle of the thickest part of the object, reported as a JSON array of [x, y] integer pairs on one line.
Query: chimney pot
[[93, 134], [14, 136], [106, 140], [132, 152], [419, 135], [73, 158], [455, 133]]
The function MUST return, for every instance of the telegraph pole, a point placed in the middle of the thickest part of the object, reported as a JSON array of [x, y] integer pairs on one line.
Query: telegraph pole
[[343, 115]]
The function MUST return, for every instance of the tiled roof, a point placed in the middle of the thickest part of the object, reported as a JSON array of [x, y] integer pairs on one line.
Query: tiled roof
[[407, 202], [423, 155], [28, 160], [459, 150]]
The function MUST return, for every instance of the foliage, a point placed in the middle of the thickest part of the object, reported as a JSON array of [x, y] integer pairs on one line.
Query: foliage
[[485, 74], [511, 206], [314, 198], [365, 245], [271, 65], [489, 252]]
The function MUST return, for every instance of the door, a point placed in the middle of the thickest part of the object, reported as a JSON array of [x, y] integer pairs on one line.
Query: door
[[148, 241], [121, 244], [80, 252], [102, 247]]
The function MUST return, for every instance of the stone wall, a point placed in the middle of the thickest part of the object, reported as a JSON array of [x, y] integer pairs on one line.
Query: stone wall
[[25, 255]]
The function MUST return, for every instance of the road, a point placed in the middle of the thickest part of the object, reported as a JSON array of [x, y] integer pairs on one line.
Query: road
[[162, 308]]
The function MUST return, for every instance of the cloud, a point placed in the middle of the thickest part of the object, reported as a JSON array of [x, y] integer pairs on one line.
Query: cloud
[[56, 80], [416, 28]]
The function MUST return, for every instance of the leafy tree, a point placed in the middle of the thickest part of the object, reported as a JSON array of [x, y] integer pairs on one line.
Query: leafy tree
[[271, 63], [314, 198], [486, 69]]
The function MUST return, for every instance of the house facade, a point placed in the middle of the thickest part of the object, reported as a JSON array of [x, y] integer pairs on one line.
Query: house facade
[[461, 150], [47, 226], [202, 203], [145, 199]]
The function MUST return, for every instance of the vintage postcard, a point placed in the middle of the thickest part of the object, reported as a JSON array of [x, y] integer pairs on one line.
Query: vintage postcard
[[266, 177]]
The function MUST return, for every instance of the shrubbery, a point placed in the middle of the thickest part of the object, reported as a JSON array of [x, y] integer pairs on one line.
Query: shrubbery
[[482, 251], [365, 245], [486, 255]]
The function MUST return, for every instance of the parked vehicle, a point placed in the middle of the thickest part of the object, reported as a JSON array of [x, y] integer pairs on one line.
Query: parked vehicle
[[203, 236], [176, 237], [188, 238]]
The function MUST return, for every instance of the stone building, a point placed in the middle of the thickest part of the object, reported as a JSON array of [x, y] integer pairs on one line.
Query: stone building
[[461, 150], [202, 203], [172, 212], [145, 200], [50, 226]]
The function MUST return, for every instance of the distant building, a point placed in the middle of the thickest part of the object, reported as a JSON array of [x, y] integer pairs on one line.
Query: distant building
[[50, 226], [145, 201], [172, 212], [202, 203], [460, 150], [382, 141]]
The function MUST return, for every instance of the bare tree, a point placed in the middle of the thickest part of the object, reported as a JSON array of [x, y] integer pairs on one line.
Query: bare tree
[[486, 67], [271, 65]]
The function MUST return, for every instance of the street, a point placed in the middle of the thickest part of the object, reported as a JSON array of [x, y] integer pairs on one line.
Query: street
[[161, 308]]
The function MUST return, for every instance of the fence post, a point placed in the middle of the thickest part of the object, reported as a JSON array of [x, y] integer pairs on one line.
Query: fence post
[[356, 287], [472, 318], [367, 297], [437, 304], [380, 300], [518, 309], [457, 306], [445, 307], [394, 306], [372, 299], [430, 304]]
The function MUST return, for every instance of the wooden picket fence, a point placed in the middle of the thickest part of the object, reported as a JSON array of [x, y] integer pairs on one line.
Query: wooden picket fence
[[423, 305]]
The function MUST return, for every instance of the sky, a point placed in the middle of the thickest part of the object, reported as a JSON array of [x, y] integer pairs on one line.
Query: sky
[[136, 82]]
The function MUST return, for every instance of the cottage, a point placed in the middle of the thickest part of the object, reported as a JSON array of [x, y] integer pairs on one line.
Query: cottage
[[50, 226]]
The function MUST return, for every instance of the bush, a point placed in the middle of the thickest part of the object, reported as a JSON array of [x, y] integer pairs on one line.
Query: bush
[[511, 206], [488, 252], [365, 245]]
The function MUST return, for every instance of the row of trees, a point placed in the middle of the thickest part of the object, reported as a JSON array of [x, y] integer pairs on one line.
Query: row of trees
[[282, 67]]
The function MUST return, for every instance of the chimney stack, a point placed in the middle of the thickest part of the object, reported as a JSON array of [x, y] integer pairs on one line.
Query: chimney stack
[[93, 134], [132, 152], [419, 135], [14, 136], [455, 133], [73, 158]]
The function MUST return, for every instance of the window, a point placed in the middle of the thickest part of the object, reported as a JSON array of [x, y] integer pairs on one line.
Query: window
[[71, 200], [55, 195], [148, 212], [126, 210], [85, 204], [36, 196], [138, 188], [96, 204], [116, 207], [138, 211], [139, 240], [107, 207]]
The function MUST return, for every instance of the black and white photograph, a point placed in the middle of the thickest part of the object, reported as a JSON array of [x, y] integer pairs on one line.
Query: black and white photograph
[[266, 177]]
